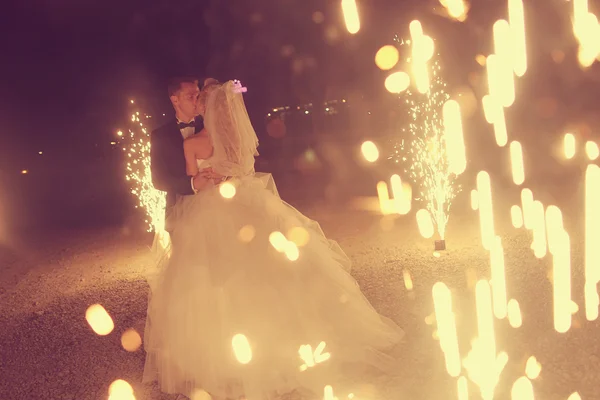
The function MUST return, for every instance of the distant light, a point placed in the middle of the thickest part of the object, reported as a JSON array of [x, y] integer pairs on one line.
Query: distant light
[[131, 101], [164, 115], [120, 133], [40, 152], [113, 143], [306, 112], [24, 172]]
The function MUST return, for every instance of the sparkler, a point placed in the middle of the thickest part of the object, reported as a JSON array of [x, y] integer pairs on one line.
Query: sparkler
[[136, 146], [428, 151]]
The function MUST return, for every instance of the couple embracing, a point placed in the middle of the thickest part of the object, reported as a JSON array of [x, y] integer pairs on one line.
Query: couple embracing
[[218, 293]]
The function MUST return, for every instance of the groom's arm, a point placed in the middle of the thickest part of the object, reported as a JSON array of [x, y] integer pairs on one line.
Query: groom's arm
[[162, 176]]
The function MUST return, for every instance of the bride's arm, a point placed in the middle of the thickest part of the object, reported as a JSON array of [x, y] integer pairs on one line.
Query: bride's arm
[[194, 148]]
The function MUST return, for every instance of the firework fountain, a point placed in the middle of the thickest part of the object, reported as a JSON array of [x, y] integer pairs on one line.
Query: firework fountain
[[434, 153], [136, 145]]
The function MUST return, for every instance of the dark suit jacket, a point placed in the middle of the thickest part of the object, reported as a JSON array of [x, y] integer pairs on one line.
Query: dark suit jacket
[[167, 162]]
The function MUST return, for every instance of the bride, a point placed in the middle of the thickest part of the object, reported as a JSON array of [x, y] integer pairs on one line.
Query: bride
[[238, 309]]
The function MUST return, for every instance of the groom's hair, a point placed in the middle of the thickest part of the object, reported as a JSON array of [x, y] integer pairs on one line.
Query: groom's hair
[[175, 83]]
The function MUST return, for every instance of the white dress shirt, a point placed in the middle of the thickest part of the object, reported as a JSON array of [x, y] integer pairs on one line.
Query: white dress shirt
[[186, 133]]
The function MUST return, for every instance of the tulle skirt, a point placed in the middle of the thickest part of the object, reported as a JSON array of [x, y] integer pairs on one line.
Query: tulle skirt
[[247, 292]]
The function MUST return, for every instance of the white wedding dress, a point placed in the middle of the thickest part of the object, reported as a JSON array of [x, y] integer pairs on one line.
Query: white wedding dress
[[223, 282]]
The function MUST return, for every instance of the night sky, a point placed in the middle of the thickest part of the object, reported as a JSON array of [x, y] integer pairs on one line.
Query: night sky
[[69, 67]]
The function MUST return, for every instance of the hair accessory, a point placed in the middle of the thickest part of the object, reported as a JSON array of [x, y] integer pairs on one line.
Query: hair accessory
[[238, 88]]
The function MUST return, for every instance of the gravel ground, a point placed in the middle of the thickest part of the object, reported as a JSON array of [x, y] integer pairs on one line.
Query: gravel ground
[[48, 351]]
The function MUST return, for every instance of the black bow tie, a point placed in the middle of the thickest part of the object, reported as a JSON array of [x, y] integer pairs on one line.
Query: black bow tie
[[183, 125]]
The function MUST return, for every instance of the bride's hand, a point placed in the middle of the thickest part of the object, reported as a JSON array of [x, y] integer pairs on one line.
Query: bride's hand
[[208, 173], [201, 182]]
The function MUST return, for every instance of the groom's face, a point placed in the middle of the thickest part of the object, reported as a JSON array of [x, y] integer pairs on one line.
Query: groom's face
[[186, 100]]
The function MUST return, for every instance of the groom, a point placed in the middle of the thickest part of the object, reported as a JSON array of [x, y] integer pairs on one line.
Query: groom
[[167, 162]]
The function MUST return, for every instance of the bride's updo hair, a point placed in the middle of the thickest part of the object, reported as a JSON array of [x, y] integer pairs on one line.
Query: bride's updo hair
[[209, 85], [208, 82]]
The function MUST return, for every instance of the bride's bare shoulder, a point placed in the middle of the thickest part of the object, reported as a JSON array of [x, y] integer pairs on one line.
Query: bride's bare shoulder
[[199, 145]]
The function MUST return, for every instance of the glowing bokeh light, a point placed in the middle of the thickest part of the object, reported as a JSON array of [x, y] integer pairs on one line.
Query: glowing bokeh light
[[457, 9], [446, 325], [516, 216], [227, 190], [514, 313], [369, 151], [486, 214], [474, 200], [241, 348], [120, 390], [455, 142], [397, 82], [527, 207], [516, 162], [522, 389], [532, 368], [502, 66], [131, 340], [351, 18], [569, 145], [99, 320], [516, 18], [299, 236], [592, 233], [312, 357], [591, 150], [246, 233], [498, 279], [425, 223], [387, 57]]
